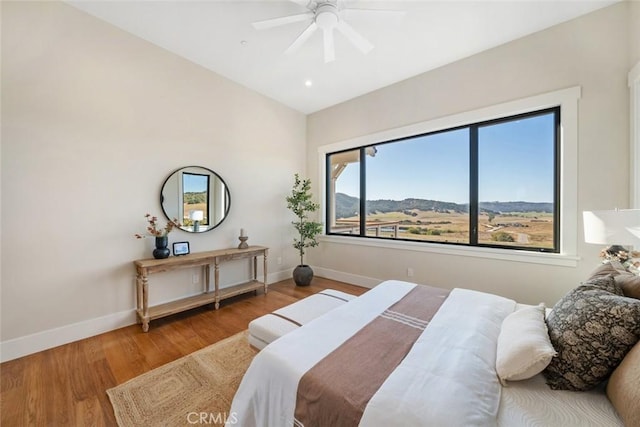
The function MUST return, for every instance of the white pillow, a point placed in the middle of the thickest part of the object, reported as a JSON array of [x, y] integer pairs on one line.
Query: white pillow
[[524, 347]]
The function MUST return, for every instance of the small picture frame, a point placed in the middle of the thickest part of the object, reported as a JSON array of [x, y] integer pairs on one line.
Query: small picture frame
[[180, 248]]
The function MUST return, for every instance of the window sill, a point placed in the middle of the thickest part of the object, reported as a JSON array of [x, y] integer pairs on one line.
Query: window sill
[[563, 260]]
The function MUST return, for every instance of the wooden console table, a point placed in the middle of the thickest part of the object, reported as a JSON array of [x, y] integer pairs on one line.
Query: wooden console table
[[145, 267]]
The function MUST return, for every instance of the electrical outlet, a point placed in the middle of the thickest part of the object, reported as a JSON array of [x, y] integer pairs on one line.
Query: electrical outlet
[[195, 278], [279, 260], [409, 272]]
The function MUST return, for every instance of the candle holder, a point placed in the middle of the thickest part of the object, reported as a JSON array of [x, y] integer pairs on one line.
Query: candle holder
[[243, 242]]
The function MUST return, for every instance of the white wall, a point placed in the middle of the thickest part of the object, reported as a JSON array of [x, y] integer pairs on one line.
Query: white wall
[[590, 52], [634, 32], [634, 95], [93, 121]]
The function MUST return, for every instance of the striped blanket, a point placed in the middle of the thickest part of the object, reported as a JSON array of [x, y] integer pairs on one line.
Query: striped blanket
[[401, 354]]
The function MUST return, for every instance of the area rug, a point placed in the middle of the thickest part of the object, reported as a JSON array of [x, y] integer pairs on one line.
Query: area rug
[[195, 389]]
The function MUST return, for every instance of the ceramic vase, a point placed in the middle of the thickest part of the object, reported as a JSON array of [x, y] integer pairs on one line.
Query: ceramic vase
[[302, 275], [161, 251]]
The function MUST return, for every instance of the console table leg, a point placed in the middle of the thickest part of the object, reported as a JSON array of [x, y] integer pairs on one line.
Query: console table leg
[[255, 267], [145, 304], [264, 271], [138, 296], [207, 273], [216, 278]]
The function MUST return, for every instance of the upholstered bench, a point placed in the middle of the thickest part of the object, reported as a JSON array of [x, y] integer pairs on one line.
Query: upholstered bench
[[267, 328]]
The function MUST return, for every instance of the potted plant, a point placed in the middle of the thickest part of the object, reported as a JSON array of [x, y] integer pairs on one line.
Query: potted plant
[[161, 234], [300, 203]]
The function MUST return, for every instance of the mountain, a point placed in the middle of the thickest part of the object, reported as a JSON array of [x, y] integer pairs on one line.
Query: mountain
[[517, 206], [348, 206]]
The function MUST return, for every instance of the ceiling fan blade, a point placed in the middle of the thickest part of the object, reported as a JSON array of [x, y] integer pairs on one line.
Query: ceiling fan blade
[[276, 22], [303, 37], [354, 37], [329, 49]]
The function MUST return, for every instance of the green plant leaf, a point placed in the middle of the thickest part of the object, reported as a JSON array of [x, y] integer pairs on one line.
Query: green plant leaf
[[300, 202]]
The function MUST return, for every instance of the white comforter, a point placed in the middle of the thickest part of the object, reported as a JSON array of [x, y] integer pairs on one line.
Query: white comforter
[[448, 377]]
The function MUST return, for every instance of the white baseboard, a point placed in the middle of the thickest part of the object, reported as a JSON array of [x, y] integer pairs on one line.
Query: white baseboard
[[22, 346], [354, 279], [279, 276], [29, 344]]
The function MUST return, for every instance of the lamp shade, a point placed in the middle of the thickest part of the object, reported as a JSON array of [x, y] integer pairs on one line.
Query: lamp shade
[[613, 227], [196, 215]]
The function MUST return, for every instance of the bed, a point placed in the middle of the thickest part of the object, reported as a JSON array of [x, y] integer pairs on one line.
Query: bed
[[355, 366]]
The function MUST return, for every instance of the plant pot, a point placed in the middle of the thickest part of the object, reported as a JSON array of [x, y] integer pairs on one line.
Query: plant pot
[[302, 275], [161, 251]]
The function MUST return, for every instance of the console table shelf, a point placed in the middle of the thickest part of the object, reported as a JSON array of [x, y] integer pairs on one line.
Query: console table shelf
[[145, 267], [173, 307], [243, 288]]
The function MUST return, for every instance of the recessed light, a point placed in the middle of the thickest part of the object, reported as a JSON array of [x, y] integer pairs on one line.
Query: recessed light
[[308, 83], [243, 42]]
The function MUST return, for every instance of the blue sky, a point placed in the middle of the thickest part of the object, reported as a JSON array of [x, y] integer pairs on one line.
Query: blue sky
[[193, 183], [515, 164]]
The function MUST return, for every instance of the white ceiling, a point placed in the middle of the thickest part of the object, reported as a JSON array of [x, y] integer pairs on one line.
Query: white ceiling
[[218, 35]]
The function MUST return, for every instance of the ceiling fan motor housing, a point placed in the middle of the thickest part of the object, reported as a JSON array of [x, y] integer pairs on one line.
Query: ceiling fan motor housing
[[327, 16]]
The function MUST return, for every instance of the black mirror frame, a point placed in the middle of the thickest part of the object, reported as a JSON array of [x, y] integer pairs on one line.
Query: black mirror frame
[[227, 197]]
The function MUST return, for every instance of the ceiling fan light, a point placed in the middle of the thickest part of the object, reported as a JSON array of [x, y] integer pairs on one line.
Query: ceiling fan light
[[327, 17]]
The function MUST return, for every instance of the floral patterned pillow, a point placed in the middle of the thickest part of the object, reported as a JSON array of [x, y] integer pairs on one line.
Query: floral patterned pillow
[[628, 282], [630, 285], [592, 328]]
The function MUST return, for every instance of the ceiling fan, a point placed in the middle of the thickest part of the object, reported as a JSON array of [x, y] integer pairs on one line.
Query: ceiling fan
[[328, 15]]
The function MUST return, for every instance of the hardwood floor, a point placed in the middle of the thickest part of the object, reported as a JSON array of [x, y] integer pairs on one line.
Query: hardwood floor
[[67, 385]]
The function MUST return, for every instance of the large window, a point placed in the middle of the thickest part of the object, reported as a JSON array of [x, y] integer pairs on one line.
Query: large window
[[493, 183]]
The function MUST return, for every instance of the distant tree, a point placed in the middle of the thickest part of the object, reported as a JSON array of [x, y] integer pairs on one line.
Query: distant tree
[[502, 236], [192, 198]]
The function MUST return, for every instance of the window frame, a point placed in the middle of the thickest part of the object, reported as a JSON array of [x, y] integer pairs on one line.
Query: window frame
[[474, 181], [566, 191], [557, 169], [207, 212]]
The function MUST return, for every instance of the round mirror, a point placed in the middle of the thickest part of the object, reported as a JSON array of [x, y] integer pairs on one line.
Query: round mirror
[[197, 197]]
